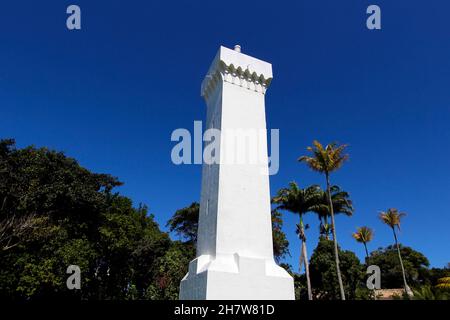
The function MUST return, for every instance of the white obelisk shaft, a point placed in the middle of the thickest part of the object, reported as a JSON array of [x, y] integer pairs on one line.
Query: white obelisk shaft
[[234, 248]]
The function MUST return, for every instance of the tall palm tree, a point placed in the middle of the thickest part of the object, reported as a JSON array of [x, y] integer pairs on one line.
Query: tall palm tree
[[299, 201], [341, 205], [364, 235], [392, 218], [327, 160]]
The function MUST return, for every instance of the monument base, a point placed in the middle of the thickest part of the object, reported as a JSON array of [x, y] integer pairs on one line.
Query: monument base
[[234, 277]]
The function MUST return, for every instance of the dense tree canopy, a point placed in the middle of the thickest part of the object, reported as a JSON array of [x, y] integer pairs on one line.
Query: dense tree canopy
[[185, 222], [323, 272], [71, 217]]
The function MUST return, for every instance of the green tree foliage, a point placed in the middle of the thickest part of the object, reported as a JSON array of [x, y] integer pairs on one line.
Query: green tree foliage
[[427, 292], [280, 241], [415, 264], [435, 274], [170, 269], [443, 283], [323, 272], [342, 204], [71, 216], [185, 222]]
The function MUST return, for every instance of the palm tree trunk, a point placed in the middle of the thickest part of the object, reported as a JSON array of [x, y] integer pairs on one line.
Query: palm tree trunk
[[304, 258], [301, 258], [367, 252], [408, 290], [308, 279], [325, 225], [305, 261], [333, 229]]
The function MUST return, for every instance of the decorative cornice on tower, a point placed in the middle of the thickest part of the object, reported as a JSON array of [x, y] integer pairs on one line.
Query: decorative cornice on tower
[[236, 68]]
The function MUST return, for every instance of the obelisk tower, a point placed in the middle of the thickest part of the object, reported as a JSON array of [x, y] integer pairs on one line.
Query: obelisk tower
[[234, 247]]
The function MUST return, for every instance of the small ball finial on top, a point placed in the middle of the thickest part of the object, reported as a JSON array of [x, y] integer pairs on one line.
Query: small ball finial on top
[[237, 48]]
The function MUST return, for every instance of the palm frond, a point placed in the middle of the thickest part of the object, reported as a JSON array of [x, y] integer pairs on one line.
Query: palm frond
[[363, 234], [325, 160], [392, 217]]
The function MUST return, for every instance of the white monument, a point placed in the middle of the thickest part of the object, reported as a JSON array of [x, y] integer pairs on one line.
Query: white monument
[[234, 249]]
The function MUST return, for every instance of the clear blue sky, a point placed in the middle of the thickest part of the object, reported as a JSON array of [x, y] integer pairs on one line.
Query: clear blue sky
[[111, 94]]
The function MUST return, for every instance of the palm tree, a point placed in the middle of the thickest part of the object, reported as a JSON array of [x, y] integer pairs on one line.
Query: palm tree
[[392, 218], [327, 160], [363, 235], [299, 201], [341, 204]]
